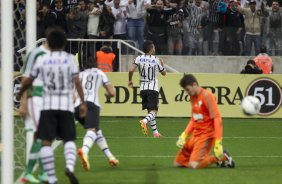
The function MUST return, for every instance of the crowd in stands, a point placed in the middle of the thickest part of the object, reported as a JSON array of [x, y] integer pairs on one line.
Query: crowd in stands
[[177, 27]]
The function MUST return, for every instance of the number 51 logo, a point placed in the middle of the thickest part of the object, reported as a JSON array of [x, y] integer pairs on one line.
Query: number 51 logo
[[269, 94]]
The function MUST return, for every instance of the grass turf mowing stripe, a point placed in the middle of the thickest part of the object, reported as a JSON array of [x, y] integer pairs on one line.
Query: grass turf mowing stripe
[[139, 137], [172, 156]]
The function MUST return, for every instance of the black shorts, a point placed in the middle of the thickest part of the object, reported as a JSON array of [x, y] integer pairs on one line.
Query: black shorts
[[150, 99], [92, 119], [56, 123]]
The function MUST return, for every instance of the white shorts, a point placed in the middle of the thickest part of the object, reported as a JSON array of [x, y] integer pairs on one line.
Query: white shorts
[[34, 106]]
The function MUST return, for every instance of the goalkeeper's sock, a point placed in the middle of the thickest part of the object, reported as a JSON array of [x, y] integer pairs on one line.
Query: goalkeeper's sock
[[102, 143], [33, 156], [70, 155], [88, 141], [47, 158], [150, 117], [154, 126]]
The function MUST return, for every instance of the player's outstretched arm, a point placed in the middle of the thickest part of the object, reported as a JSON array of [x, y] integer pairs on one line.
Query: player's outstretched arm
[[78, 86], [130, 75], [23, 106], [110, 90], [182, 138]]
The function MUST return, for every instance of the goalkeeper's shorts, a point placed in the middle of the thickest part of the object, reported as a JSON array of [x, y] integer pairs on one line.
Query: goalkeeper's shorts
[[195, 150]]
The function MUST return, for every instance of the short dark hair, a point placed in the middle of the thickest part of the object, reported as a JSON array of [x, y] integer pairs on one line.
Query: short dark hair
[[276, 1], [56, 38], [251, 62], [188, 79], [148, 45], [263, 49], [90, 63]]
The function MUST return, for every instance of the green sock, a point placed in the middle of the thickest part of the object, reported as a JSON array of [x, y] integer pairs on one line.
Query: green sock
[[33, 156]]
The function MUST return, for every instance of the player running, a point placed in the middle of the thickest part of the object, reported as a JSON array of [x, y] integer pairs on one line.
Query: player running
[[59, 71], [92, 79], [148, 67], [31, 104], [204, 129]]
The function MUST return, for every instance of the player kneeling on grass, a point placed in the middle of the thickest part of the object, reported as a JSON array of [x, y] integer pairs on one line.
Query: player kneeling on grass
[[92, 78], [204, 129], [58, 71], [148, 66]]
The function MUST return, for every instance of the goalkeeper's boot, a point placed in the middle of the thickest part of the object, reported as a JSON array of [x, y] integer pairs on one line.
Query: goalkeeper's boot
[[157, 135], [71, 176], [143, 127], [43, 177], [227, 160], [29, 178], [113, 161], [84, 160]]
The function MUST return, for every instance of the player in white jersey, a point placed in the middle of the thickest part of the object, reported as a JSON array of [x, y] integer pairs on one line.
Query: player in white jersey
[[58, 71], [92, 79], [148, 66]]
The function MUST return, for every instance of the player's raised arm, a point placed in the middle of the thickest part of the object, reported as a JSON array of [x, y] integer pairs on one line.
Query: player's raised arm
[[131, 72]]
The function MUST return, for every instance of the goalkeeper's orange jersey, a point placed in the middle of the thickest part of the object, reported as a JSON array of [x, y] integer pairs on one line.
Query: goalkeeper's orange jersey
[[206, 119]]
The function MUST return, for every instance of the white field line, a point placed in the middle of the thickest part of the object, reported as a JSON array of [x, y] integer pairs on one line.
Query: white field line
[[54, 146], [172, 156], [139, 137]]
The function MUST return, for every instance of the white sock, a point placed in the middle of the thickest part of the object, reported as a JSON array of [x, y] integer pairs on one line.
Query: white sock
[[151, 116], [47, 158], [88, 141], [70, 155], [102, 143], [154, 126]]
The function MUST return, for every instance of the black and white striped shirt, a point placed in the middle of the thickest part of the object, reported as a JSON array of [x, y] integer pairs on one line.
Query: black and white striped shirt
[[56, 70], [92, 79], [193, 18], [213, 14], [148, 67]]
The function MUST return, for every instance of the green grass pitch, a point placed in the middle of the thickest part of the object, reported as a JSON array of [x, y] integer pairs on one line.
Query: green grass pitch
[[255, 144]]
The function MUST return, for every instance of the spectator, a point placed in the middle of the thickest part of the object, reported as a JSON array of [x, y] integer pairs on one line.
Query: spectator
[[251, 68], [61, 14], [81, 18], [106, 23], [274, 29], [193, 37], [93, 25], [264, 61], [72, 31], [213, 23], [234, 22], [253, 27], [47, 18], [39, 23], [175, 32], [120, 15], [70, 3], [157, 25], [135, 23], [105, 59]]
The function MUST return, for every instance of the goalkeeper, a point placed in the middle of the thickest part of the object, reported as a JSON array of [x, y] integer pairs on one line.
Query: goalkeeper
[[204, 131]]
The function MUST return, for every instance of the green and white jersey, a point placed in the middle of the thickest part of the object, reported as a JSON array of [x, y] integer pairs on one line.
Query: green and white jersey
[[37, 85]]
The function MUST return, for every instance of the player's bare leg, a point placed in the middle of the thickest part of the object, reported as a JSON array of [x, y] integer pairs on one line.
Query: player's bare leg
[[92, 136]]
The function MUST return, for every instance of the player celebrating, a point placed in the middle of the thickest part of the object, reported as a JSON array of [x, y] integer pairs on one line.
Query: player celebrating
[[31, 104], [92, 79], [204, 129], [148, 67], [58, 71]]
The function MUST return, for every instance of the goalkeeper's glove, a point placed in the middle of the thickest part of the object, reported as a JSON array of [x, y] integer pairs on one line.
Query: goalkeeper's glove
[[218, 149], [181, 140]]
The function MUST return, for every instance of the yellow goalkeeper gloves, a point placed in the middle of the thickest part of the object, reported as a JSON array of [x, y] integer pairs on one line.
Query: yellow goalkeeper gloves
[[181, 140], [218, 149]]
